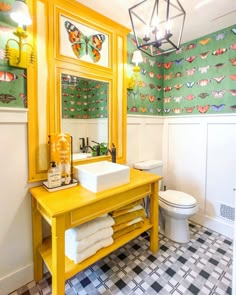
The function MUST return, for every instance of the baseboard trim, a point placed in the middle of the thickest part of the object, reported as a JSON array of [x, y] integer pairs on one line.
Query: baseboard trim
[[16, 280], [214, 224]]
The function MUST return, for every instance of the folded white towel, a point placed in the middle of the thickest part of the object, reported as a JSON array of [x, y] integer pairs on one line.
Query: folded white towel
[[86, 229], [79, 257], [74, 245]]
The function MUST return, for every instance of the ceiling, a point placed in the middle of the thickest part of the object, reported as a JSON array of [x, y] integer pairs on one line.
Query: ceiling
[[202, 16]]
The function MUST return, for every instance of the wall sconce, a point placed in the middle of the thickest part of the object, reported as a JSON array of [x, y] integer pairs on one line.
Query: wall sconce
[[134, 79], [21, 54]]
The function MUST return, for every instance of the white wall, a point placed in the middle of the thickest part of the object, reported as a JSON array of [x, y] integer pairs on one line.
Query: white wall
[[15, 208], [199, 158]]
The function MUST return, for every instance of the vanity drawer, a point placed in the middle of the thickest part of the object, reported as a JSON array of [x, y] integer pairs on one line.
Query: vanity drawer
[[106, 205]]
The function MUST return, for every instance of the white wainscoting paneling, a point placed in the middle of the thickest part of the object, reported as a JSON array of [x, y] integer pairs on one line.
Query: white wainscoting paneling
[[144, 138], [199, 158]]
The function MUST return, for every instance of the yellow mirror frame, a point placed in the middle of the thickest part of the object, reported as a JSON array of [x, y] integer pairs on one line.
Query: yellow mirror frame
[[44, 79]]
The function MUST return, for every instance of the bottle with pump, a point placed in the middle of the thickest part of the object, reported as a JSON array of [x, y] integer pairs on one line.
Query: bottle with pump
[[54, 176]]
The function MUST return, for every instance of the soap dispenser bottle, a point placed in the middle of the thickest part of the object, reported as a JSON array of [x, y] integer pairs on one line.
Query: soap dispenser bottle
[[54, 176]]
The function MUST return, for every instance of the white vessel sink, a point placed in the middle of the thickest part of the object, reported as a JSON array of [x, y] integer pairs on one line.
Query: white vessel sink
[[103, 175], [80, 156]]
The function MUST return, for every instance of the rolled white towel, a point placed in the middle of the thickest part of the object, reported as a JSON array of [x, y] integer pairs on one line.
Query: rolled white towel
[[74, 245], [88, 228], [79, 257]]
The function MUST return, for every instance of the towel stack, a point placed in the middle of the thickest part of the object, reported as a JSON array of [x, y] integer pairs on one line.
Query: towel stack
[[86, 239], [128, 218]]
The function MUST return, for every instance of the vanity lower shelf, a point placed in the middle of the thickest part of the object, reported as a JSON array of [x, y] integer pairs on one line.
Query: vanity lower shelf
[[71, 268]]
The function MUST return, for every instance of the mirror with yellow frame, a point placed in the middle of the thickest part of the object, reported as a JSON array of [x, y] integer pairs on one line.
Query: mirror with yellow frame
[[45, 79]]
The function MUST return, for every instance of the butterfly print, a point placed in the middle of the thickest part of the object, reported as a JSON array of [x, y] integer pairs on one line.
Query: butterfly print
[[179, 61], [203, 69], [218, 94], [151, 98], [234, 30], [7, 76], [134, 109], [178, 75], [151, 62], [190, 97], [151, 74], [143, 110], [203, 95], [159, 110], [190, 59], [203, 109], [233, 92], [151, 110], [190, 72], [159, 65], [24, 76], [167, 99], [159, 87], [219, 51], [189, 109], [167, 88], [143, 96], [204, 82], [159, 76], [134, 41], [218, 66], [220, 36], [177, 98], [143, 71], [179, 50], [204, 41], [144, 59], [189, 84], [177, 110], [233, 77], [168, 65], [158, 98], [151, 86], [233, 61], [219, 79], [217, 108], [204, 55], [144, 84], [234, 106], [168, 77], [24, 98], [6, 98], [191, 46], [178, 86], [167, 111], [233, 46], [84, 45]]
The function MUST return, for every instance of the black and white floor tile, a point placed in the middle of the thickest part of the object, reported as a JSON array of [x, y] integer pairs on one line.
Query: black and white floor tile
[[203, 266]]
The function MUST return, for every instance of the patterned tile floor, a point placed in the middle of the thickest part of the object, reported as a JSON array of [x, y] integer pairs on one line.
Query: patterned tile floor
[[203, 266]]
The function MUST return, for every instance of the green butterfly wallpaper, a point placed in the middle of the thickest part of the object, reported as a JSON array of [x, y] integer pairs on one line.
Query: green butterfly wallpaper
[[199, 78], [83, 98]]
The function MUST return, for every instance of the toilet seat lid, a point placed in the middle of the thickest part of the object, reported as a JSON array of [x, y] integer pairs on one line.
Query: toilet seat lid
[[177, 199]]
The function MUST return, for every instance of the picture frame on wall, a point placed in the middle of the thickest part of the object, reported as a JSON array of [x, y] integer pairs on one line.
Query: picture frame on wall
[[83, 42]]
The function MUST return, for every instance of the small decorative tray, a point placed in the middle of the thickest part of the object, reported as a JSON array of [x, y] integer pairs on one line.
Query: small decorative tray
[[58, 188]]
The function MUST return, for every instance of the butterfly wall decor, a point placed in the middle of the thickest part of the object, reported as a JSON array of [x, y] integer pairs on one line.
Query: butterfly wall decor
[[84, 45]]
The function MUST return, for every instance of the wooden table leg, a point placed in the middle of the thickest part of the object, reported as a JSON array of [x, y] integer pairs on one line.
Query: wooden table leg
[[37, 241], [154, 213], [58, 255]]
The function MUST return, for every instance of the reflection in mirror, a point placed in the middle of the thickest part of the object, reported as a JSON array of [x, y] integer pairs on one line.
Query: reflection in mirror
[[84, 115]]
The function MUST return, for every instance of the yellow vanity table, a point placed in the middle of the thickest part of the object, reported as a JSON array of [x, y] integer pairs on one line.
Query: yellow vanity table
[[68, 208]]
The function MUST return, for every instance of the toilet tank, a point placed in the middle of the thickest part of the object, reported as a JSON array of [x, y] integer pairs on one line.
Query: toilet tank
[[152, 166]]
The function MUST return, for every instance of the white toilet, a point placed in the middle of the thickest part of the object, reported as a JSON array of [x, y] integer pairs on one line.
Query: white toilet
[[175, 206]]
